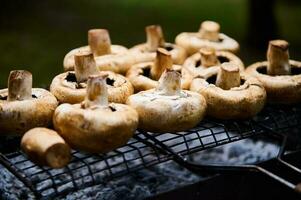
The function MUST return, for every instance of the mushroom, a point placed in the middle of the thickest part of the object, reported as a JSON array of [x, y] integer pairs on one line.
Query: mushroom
[[95, 125], [208, 36], [167, 108], [70, 87], [145, 76], [230, 94], [280, 76], [46, 147], [146, 52], [209, 57], [23, 107], [108, 57]]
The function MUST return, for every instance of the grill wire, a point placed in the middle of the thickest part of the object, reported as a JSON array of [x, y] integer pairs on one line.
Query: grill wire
[[140, 152]]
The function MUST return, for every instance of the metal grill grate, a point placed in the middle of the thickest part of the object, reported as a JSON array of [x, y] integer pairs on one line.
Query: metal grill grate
[[141, 151]]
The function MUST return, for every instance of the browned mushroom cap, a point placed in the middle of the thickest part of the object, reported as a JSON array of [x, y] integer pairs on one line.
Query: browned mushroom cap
[[21, 107], [46, 147], [146, 52], [108, 57], [167, 108], [280, 76], [208, 36], [95, 125], [70, 87], [229, 94], [144, 76], [209, 57]]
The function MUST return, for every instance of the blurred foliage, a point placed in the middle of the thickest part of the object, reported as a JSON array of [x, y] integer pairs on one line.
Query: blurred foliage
[[35, 35]]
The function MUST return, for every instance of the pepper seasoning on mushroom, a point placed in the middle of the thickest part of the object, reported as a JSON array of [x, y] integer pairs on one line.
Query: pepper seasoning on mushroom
[[145, 76], [108, 57], [146, 52], [23, 107], [95, 125], [70, 87], [230, 94], [167, 108], [46, 147], [208, 36], [279, 75], [209, 57]]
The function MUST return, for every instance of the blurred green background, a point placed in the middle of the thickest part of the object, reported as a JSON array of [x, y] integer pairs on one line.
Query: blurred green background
[[36, 35]]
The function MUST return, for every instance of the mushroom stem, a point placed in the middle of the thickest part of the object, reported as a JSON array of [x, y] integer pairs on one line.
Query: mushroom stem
[[97, 92], [99, 41], [170, 83], [84, 66], [19, 85], [208, 57], [155, 37], [209, 30], [46, 147], [228, 76], [163, 61], [278, 58]]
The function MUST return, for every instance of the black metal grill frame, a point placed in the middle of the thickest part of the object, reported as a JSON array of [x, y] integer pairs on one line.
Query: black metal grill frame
[[144, 150]]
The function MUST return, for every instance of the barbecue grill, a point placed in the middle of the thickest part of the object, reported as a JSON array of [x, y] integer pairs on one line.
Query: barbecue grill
[[145, 149]]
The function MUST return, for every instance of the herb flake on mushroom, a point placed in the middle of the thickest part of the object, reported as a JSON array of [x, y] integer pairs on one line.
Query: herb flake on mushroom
[[70, 87], [167, 108], [23, 107], [95, 125], [208, 36], [145, 76], [146, 52], [229, 93], [280, 76]]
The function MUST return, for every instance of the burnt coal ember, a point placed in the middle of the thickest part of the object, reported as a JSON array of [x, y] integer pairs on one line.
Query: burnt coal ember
[[153, 180]]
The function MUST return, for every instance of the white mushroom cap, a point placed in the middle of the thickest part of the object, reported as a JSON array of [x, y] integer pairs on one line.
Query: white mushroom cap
[[21, 107], [208, 36], [167, 108], [107, 56], [96, 125], [229, 93], [70, 87], [279, 75], [146, 52]]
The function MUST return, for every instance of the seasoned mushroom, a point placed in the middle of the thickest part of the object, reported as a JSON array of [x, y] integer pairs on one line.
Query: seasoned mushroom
[[108, 57], [70, 87], [95, 125], [229, 94], [144, 76], [208, 57], [208, 36], [146, 52], [46, 147], [23, 107], [167, 108], [280, 76]]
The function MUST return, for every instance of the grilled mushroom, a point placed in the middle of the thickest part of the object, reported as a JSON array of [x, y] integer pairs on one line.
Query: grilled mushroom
[[280, 76], [208, 36], [144, 76], [167, 108], [146, 52], [23, 107], [209, 57], [70, 87], [46, 147], [229, 94], [95, 125], [108, 57]]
